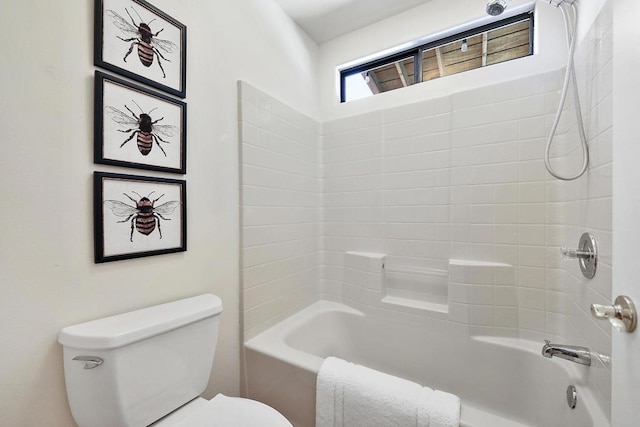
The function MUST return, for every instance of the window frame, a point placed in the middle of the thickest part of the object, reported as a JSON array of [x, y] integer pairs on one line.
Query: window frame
[[416, 52]]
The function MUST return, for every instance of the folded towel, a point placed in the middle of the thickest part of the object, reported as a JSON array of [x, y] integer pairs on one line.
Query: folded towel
[[438, 409], [350, 395], [329, 394]]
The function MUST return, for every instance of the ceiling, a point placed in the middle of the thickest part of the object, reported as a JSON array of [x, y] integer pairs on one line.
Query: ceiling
[[324, 20]]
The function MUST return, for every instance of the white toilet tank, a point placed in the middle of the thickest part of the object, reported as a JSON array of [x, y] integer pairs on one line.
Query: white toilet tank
[[134, 368]]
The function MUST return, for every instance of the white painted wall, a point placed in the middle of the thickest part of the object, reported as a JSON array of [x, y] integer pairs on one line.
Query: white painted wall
[[47, 276], [433, 18]]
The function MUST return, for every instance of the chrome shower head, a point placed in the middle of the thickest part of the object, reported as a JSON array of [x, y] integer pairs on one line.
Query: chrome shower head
[[496, 7]]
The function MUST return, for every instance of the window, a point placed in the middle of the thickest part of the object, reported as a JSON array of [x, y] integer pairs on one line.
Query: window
[[497, 42]]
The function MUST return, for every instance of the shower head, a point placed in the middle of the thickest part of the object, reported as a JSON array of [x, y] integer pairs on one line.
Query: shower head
[[496, 7]]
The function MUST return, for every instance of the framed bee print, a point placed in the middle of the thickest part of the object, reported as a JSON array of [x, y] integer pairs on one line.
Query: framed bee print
[[137, 216], [138, 41], [138, 128]]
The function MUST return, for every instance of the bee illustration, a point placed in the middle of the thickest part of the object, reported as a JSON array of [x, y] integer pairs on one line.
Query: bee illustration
[[146, 129], [148, 45], [144, 216]]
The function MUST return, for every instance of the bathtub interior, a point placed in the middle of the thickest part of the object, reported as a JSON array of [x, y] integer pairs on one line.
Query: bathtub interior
[[501, 381]]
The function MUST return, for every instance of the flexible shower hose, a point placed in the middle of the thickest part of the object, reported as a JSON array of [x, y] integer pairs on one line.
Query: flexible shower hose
[[570, 75]]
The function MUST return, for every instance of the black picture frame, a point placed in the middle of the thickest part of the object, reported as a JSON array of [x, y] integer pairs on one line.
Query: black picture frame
[[131, 222], [138, 128], [137, 40]]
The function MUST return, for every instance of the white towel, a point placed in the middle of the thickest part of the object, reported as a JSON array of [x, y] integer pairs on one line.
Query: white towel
[[438, 409], [350, 395]]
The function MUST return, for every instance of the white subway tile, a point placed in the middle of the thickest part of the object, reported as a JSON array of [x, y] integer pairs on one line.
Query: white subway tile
[[532, 298], [532, 277], [532, 213], [506, 193], [533, 256], [506, 296], [505, 234], [534, 320], [506, 317], [481, 315]]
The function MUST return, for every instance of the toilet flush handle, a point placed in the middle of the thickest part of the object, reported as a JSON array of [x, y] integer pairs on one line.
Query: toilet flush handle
[[90, 362]]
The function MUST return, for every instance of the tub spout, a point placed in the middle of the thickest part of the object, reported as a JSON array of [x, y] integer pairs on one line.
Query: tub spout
[[576, 354]]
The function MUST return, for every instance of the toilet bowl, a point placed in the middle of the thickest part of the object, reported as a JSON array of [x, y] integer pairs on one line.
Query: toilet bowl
[[224, 411], [149, 367]]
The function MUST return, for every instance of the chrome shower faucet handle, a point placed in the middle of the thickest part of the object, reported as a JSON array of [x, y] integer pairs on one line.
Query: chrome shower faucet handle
[[622, 314], [586, 253]]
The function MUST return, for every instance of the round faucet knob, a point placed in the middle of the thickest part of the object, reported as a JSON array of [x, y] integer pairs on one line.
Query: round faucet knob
[[622, 314]]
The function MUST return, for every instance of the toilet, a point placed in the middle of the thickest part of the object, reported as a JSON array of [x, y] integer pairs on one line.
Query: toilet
[[149, 367]]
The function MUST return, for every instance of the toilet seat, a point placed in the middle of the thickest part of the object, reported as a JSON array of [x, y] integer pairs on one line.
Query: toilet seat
[[224, 411]]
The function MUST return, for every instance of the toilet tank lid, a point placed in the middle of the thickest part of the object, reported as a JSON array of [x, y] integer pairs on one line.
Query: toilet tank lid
[[127, 328]]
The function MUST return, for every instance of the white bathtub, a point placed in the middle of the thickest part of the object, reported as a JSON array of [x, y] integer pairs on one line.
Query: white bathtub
[[501, 381]]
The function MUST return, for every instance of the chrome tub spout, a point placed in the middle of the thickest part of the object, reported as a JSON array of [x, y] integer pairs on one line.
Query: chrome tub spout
[[576, 354]]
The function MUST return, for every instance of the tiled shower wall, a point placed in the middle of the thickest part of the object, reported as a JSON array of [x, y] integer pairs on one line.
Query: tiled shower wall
[[463, 177], [584, 205], [280, 188], [426, 187]]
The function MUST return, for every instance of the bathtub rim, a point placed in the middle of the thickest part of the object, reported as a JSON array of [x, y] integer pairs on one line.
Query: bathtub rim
[[273, 343]]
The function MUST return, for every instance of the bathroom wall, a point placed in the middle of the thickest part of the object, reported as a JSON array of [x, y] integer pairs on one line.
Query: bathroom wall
[[455, 178], [48, 278], [585, 205], [427, 22], [281, 208], [462, 177], [434, 18]]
